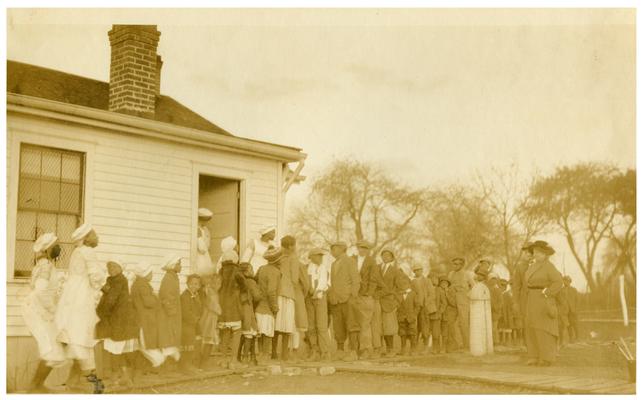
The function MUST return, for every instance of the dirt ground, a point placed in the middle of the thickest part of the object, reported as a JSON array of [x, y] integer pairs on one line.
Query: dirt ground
[[338, 383], [601, 360]]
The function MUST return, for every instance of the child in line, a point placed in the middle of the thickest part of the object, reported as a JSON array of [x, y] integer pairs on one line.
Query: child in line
[[408, 321], [191, 310], [230, 323], [170, 322], [268, 279], [209, 317], [506, 322], [439, 340], [450, 315], [249, 297]]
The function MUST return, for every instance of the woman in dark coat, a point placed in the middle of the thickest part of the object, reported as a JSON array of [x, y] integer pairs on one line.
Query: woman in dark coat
[[191, 310], [118, 326], [170, 321], [543, 283], [148, 312]]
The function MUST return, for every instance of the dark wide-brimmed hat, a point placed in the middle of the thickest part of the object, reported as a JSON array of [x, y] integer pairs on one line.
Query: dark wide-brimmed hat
[[527, 246], [273, 255], [543, 246]]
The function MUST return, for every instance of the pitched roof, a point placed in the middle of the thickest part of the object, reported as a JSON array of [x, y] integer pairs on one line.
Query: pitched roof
[[32, 80]]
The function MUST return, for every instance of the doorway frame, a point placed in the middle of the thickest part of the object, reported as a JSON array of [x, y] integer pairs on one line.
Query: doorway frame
[[218, 171]]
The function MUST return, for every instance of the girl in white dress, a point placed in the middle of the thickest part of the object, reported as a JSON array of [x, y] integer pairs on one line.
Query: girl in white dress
[[481, 339], [39, 307]]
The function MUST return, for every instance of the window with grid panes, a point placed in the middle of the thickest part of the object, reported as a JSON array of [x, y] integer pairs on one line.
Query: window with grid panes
[[50, 199]]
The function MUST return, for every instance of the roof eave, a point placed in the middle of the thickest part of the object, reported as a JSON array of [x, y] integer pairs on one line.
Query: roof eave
[[146, 127]]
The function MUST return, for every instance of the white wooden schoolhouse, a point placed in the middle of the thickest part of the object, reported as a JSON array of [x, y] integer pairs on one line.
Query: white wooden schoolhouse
[[134, 163]]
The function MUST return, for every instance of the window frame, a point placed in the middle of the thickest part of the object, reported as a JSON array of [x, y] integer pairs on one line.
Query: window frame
[[42, 178], [66, 138]]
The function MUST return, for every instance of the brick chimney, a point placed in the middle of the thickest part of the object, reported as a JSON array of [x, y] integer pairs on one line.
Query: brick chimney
[[135, 69]]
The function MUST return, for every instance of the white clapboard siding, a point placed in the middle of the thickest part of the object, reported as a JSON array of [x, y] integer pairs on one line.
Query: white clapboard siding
[[142, 194]]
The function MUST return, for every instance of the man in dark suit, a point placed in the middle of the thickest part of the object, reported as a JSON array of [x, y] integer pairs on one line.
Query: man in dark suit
[[395, 283], [364, 307], [345, 284]]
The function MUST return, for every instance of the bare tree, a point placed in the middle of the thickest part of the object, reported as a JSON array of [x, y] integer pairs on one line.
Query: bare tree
[[580, 202], [507, 196], [458, 223], [357, 201]]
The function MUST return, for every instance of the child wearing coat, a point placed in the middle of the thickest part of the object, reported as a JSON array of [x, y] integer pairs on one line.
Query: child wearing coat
[[230, 322], [148, 312], [191, 310], [268, 279], [408, 320], [249, 297], [170, 297], [450, 315], [210, 317], [118, 326], [438, 326]]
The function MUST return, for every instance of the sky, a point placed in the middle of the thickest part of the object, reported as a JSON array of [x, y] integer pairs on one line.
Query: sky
[[431, 95]]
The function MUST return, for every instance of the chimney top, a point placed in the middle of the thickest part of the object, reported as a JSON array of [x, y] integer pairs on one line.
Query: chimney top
[[134, 69]]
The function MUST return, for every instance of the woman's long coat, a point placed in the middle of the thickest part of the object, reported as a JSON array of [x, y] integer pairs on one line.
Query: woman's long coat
[[232, 284], [148, 311], [170, 321], [541, 309], [116, 311]]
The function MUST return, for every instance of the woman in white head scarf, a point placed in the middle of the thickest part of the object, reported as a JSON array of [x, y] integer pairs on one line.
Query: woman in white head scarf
[[39, 307], [76, 313]]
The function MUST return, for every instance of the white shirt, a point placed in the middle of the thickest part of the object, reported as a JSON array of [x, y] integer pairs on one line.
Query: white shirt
[[320, 279], [360, 262]]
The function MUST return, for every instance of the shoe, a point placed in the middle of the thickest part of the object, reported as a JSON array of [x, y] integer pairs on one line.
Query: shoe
[[350, 357], [366, 355], [99, 388], [532, 362], [339, 355], [313, 357], [544, 363], [326, 357]]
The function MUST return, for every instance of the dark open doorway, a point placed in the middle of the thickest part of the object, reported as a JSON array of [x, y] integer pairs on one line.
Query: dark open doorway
[[221, 196]]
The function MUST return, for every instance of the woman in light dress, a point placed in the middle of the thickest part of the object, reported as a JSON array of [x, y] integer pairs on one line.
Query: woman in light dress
[[204, 262], [76, 313], [254, 253], [481, 337], [39, 308]]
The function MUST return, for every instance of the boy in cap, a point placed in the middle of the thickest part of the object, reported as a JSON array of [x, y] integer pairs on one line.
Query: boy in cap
[[345, 285], [427, 301], [317, 308], [407, 313], [364, 306], [395, 283], [447, 342]]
